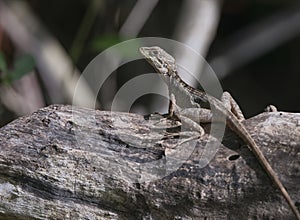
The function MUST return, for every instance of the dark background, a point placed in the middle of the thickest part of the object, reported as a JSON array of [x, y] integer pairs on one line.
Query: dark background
[[270, 78]]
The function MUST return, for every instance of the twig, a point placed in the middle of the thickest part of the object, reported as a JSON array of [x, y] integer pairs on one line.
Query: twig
[[256, 40], [137, 18], [196, 29], [57, 71]]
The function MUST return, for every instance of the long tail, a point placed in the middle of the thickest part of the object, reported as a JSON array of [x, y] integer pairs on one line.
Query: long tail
[[237, 127]]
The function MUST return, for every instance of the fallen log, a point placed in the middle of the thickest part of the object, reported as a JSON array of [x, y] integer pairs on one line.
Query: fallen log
[[63, 162]]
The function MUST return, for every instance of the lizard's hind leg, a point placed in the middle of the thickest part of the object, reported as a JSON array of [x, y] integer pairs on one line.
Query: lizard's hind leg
[[232, 105]]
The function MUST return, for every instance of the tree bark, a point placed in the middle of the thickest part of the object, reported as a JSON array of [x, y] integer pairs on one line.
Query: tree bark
[[74, 163]]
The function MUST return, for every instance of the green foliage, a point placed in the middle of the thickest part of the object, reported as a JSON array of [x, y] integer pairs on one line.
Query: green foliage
[[22, 65], [3, 66], [105, 41]]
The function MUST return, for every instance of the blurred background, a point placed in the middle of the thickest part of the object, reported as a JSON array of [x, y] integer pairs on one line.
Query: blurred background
[[253, 47]]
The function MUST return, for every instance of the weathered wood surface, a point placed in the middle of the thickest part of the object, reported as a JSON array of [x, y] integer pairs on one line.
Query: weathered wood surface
[[64, 163]]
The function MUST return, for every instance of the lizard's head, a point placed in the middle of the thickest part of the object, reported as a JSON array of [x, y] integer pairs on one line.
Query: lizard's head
[[162, 61]]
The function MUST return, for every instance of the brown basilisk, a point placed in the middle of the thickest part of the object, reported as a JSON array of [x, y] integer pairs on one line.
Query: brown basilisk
[[184, 96]]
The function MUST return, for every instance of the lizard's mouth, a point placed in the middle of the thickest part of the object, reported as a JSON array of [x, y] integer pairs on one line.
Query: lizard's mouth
[[163, 62], [152, 55]]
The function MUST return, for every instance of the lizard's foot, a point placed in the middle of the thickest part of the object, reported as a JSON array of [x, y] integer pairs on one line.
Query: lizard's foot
[[187, 140], [270, 108], [191, 135]]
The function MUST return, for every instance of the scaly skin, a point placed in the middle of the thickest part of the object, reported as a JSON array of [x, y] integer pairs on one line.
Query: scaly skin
[[188, 97]]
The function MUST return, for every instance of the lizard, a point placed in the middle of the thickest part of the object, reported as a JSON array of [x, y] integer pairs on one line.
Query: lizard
[[183, 95]]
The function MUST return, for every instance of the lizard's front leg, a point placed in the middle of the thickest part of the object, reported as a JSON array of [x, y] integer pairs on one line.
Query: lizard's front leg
[[176, 111]]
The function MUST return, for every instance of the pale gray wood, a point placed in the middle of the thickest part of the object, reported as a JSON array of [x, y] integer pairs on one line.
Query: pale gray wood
[[53, 166]]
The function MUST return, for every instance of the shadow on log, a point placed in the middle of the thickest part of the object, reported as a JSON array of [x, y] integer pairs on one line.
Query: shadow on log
[[64, 163]]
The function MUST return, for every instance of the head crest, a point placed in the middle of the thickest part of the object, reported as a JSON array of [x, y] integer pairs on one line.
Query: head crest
[[159, 59]]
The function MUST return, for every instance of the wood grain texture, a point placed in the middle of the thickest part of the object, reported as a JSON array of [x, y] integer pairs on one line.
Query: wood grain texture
[[64, 163]]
